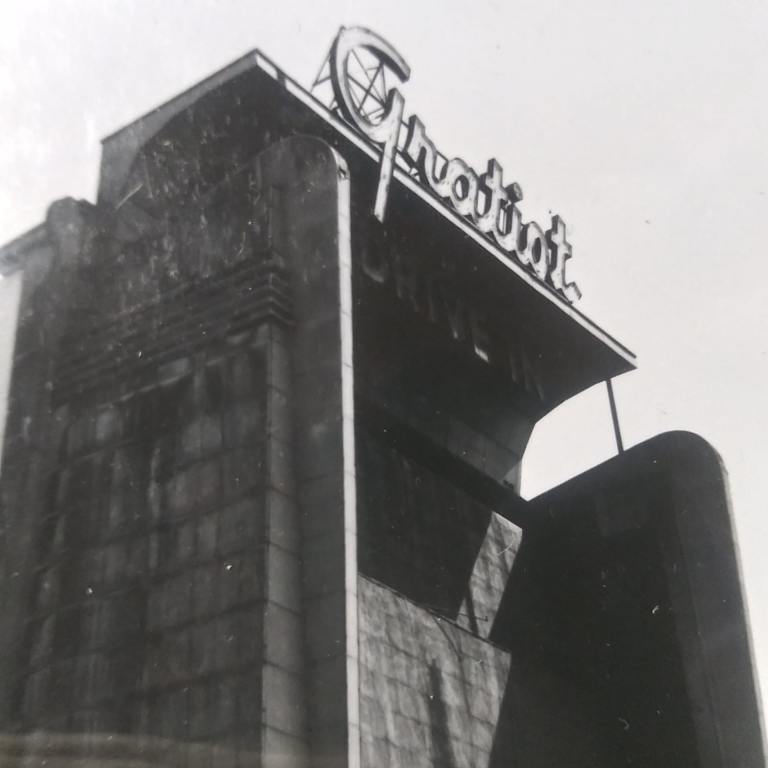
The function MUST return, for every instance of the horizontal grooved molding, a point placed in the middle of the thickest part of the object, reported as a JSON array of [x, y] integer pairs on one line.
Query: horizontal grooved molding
[[188, 319]]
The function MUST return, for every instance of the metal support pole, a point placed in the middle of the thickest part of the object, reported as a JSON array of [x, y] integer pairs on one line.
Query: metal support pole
[[614, 416]]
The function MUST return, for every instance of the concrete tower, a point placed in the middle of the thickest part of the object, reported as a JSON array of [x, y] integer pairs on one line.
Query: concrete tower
[[261, 466]]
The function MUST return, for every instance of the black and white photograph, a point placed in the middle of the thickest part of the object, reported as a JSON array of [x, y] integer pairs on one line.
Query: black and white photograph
[[382, 385]]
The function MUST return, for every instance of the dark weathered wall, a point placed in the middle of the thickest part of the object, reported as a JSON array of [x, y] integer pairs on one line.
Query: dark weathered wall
[[621, 628], [430, 691], [134, 592], [426, 537], [434, 565], [152, 581], [148, 563], [625, 617]]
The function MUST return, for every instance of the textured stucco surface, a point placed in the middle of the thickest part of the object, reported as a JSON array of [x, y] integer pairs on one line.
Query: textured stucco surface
[[429, 539], [147, 569], [430, 691]]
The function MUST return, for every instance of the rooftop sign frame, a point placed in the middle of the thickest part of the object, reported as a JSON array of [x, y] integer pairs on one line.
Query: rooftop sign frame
[[482, 199]]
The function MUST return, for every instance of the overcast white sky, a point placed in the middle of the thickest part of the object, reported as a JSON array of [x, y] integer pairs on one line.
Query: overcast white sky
[[643, 124]]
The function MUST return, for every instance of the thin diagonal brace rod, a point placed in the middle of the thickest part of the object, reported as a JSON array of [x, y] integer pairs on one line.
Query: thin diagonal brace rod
[[614, 416]]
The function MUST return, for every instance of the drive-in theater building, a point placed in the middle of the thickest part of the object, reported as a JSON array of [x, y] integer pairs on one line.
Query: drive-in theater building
[[268, 402]]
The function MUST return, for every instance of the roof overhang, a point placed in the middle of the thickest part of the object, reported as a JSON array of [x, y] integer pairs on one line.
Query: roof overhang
[[254, 89]]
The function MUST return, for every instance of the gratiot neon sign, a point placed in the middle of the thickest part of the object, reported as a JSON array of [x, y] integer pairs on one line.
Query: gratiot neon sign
[[483, 198]]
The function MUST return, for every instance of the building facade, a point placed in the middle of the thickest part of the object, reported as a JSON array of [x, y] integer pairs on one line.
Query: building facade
[[268, 402]]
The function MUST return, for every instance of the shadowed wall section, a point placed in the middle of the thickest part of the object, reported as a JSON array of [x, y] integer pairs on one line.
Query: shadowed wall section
[[625, 619]]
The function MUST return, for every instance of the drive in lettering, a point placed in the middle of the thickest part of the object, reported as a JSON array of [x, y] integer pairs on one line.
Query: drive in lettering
[[436, 298]]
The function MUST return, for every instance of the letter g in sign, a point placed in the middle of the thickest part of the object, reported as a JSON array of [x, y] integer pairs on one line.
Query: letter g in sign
[[362, 96]]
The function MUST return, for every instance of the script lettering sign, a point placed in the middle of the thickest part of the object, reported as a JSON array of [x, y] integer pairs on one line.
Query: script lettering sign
[[482, 199]]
